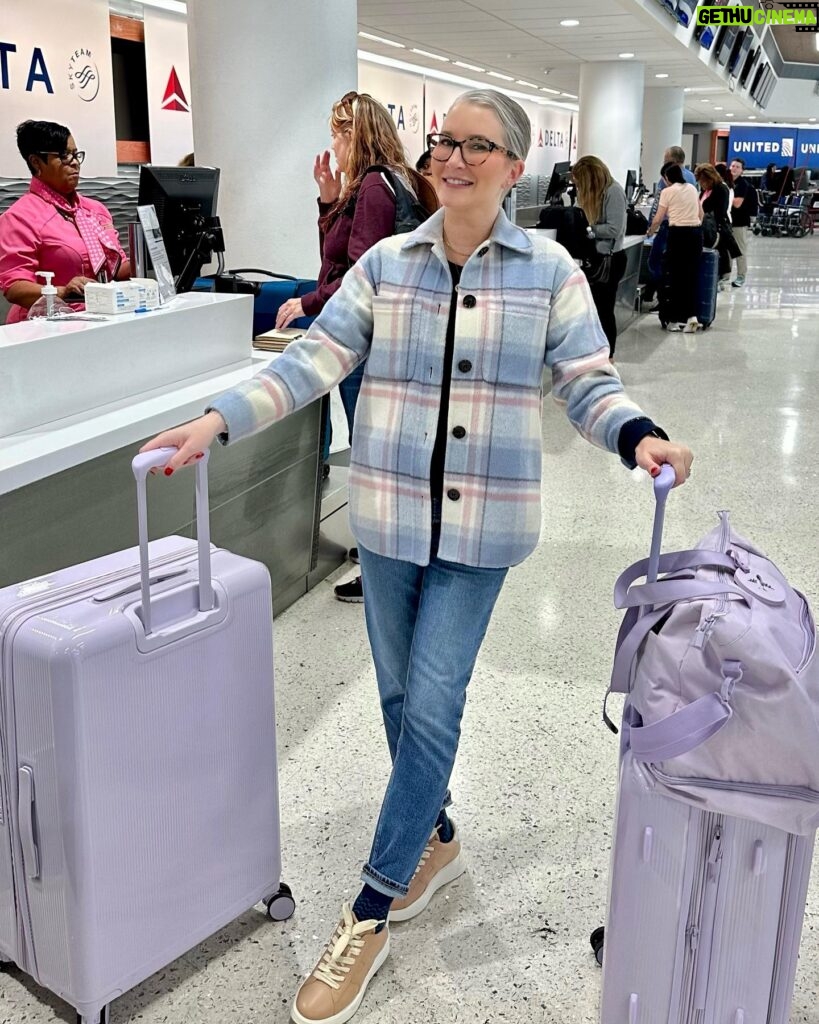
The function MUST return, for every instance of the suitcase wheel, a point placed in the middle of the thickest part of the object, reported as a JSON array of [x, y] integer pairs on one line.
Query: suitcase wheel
[[281, 905], [598, 939], [103, 1017]]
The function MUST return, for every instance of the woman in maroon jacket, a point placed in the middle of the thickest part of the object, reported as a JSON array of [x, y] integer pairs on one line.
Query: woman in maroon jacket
[[353, 216]]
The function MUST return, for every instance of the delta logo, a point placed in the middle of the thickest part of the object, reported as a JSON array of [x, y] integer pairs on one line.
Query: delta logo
[[174, 98]]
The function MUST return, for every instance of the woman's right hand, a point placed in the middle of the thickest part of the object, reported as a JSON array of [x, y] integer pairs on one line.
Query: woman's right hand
[[329, 184], [75, 287], [191, 440]]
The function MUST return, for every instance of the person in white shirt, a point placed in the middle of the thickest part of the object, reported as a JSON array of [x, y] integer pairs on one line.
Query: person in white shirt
[[679, 202]]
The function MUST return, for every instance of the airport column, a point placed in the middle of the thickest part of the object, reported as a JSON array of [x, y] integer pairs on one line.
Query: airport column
[[611, 114], [662, 127], [264, 75]]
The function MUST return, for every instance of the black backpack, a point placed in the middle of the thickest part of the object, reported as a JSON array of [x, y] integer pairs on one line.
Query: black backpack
[[636, 222], [750, 203], [410, 212]]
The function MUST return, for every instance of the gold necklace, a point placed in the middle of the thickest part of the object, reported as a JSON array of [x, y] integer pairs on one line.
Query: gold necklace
[[451, 247]]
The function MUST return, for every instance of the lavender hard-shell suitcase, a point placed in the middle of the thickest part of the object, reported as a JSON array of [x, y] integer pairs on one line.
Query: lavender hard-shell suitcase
[[707, 287], [139, 777], [706, 906]]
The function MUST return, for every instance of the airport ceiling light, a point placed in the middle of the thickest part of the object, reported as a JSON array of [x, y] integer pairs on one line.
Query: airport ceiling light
[[381, 39]]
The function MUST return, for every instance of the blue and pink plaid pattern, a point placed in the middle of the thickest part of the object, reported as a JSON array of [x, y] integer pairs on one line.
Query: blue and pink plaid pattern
[[522, 304]]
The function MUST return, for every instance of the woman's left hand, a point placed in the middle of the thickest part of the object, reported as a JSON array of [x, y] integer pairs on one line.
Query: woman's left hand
[[288, 312], [653, 452]]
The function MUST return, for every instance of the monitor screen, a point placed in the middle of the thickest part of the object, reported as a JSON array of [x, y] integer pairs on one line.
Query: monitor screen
[[750, 60], [726, 46], [758, 78], [184, 198], [631, 184], [559, 180], [739, 52], [767, 90]]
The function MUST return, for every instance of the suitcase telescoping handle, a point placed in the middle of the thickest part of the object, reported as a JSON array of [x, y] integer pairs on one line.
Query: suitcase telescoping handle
[[663, 482], [142, 465]]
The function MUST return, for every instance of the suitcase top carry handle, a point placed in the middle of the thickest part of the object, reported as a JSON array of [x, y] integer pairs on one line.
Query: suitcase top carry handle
[[142, 464]]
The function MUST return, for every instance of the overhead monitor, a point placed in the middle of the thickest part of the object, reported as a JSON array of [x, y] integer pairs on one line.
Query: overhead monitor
[[750, 61], [740, 51], [727, 44], [631, 184], [559, 181]]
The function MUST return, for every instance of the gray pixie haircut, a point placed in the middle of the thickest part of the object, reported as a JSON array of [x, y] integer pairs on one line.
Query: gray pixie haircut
[[517, 128]]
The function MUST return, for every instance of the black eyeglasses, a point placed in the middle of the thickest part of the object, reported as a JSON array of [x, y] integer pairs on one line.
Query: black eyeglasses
[[475, 150], [67, 156]]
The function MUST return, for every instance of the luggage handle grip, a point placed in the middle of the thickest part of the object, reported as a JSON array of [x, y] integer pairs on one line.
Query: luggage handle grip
[[25, 817], [663, 482], [141, 465]]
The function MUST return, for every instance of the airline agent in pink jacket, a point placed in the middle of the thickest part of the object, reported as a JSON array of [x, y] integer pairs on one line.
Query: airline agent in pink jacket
[[53, 227]]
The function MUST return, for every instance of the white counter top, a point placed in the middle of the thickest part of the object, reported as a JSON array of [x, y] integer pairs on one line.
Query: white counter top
[[34, 454], [51, 370]]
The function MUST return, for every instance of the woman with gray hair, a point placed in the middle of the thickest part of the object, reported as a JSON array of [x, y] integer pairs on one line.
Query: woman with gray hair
[[456, 321]]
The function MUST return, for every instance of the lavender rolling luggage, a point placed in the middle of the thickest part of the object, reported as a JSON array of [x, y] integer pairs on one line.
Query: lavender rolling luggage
[[139, 778], [709, 873]]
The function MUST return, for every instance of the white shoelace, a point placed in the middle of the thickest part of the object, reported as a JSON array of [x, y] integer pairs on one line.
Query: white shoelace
[[342, 950], [428, 852]]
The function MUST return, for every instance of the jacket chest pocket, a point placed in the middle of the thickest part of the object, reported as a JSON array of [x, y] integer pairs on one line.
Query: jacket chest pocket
[[396, 321], [513, 343]]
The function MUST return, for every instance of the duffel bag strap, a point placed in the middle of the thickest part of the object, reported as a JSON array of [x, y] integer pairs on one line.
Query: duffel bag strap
[[628, 649], [671, 591], [674, 561], [686, 729]]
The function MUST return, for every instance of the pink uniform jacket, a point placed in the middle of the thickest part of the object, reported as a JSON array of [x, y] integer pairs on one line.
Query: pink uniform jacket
[[34, 235]]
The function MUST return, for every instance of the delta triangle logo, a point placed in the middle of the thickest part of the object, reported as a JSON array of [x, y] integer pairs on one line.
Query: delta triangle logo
[[433, 125], [174, 98]]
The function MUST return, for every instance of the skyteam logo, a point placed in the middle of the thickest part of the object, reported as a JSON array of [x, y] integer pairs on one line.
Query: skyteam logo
[[83, 75]]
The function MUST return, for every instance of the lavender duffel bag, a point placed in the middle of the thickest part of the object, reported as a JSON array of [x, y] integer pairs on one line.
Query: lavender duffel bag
[[717, 659]]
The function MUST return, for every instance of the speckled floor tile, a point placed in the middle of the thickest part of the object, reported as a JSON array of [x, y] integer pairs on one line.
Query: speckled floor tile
[[508, 941]]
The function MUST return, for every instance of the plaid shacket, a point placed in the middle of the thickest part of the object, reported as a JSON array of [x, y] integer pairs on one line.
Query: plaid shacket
[[522, 303]]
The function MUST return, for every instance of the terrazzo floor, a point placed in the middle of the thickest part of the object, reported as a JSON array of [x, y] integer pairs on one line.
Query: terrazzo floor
[[534, 783]]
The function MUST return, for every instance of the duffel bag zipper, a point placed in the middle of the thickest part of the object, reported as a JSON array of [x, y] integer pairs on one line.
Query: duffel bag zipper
[[753, 788], [706, 627], [809, 630]]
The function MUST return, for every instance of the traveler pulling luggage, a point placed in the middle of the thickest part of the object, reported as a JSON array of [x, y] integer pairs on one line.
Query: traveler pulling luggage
[[719, 786], [139, 800]]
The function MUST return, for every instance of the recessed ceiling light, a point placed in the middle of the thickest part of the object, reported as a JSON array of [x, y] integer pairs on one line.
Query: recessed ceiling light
[[381, 39], [718, 108], [530, 84], [497, 74], [752, 117], [434, 56], [469, 67], [625, 56], [663, 75], [687, 89], [811, 118], [569, 23], [729, 115], [554, 92], [705, 101], [571, 95]]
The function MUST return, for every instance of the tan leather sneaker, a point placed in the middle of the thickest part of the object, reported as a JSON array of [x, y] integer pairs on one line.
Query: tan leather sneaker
[[333, 992], [440, 863]]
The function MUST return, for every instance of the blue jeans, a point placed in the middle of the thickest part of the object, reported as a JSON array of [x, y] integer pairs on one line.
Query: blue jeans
[[348, 389], [425, 625]]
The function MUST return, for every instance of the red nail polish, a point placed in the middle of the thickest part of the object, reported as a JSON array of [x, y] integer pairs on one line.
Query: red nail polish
[[655, 470], [168, 471], [200, 455]]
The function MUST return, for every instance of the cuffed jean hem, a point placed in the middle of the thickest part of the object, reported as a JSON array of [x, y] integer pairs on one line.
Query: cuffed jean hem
[[382, 884]]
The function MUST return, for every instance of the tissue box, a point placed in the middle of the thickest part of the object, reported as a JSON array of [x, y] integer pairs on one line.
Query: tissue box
[[115, 297], [148, 291], [122, 296]]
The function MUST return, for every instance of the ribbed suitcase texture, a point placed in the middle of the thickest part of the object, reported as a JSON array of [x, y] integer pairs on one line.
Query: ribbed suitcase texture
[[705, 913], [139, 802], [707, 287]]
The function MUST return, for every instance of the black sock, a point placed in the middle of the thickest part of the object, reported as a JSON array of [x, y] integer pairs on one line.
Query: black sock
[[372, 905], [446, 830]]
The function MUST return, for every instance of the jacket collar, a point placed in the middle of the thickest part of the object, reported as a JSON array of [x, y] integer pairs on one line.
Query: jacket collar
[[504, 233]]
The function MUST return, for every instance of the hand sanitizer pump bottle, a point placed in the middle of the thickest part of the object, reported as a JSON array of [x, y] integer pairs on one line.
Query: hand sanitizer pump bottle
[[48, 306]]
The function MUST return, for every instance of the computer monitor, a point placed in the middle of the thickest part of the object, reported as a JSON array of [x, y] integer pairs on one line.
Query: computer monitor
[[740, 51], [559, 181], [726, 46], [185, 203], [631, 184], [763, 67], [750, 61]]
